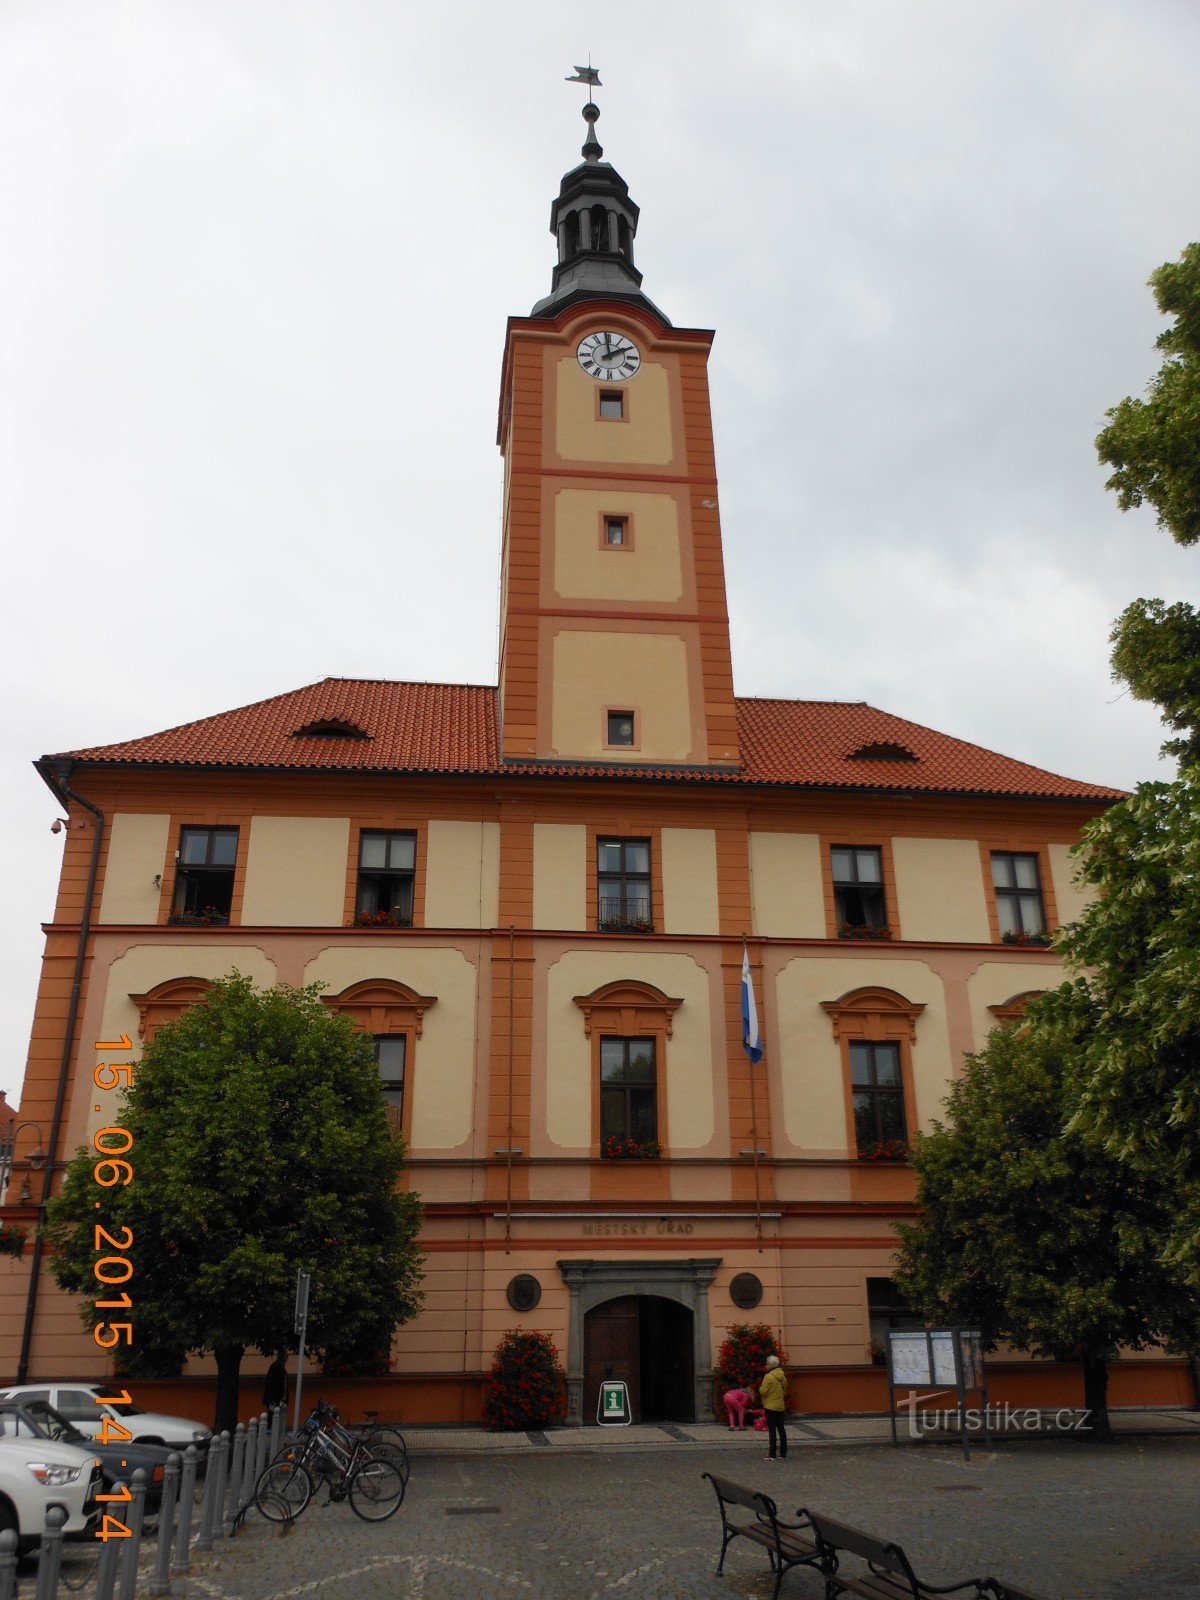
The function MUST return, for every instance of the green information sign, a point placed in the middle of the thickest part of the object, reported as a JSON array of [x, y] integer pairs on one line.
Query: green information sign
[[612, 1408]]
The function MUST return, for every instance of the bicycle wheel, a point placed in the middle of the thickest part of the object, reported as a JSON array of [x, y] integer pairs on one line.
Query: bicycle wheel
[[376, 1490], [283, 1491], [377, 1449]]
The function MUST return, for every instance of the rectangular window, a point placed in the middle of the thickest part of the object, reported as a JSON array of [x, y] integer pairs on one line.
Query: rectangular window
[[612, 405], [204, 876], [615, 530], [878, 1090], [858, 887], [1018, 885], [887, 1311], [391, 1054], [620, 727], [628, 1098], [386, 867], [623, 885]]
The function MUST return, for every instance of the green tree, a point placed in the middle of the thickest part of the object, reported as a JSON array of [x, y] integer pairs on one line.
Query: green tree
[[1034, 1230], [1154, 447], [260, 1146]]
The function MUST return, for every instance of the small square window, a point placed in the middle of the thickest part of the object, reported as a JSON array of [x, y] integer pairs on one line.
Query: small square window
[[615, 530], [620, 727], [612, 405]]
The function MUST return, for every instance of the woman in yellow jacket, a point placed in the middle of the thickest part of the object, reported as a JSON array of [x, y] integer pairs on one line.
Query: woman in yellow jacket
[[772, 1393]]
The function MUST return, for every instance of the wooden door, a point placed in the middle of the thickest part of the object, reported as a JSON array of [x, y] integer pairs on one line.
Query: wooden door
[[611, 1350]]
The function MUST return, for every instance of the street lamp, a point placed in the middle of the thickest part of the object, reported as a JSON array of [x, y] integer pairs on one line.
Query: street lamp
[[35, 1160]]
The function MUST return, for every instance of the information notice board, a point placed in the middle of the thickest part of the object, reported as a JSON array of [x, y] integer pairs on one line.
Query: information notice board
[[942, 1359]]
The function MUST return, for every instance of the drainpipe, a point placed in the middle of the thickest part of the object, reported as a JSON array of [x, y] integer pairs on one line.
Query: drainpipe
[[56, 775]]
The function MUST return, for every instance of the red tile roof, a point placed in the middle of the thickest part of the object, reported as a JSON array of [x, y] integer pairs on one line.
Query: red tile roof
[[451, 728]]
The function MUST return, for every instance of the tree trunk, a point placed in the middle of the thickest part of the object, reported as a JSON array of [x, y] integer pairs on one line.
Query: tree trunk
[[229, 1366], [1095, 1399]]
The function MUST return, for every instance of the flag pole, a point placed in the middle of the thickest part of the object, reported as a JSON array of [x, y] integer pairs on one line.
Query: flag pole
[[747, 987]]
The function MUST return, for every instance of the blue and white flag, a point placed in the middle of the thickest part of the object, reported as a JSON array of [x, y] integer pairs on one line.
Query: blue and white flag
[[751, 1038]]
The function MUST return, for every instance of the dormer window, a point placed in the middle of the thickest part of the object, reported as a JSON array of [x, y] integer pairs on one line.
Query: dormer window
[[882, 750], [330, 728]]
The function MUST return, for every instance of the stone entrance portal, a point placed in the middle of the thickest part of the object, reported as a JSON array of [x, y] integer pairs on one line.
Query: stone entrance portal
[[634, 1314]]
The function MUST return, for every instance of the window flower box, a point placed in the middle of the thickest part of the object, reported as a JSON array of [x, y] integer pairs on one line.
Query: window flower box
[[626, 925], [1018, 936], [863, 930], [615, 1148], [209, 917], [884, 1150], [381, 919]]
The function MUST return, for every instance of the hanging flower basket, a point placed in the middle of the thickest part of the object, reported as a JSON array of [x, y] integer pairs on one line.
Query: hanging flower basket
[[12, 1239]]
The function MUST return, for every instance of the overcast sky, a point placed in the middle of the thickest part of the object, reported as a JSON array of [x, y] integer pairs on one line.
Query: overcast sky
[[258, 259]]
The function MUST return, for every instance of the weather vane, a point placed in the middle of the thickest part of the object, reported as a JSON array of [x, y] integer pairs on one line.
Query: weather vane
[[592, 149]]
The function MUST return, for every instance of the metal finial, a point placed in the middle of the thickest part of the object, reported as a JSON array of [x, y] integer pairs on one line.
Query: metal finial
[[592, 148]]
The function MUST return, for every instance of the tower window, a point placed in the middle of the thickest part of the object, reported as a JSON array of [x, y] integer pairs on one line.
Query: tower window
[[620, 728], [612, 405], [599, 228], [616, 530]]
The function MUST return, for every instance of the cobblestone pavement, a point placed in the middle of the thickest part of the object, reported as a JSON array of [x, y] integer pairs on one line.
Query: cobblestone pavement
[[1066, 1520]]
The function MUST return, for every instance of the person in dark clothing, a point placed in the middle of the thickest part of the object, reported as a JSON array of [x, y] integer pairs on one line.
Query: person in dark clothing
[[275, 1386]]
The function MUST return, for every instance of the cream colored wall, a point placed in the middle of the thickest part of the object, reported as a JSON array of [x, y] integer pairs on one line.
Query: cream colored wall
[[462, 875], [443, 1077], [689, 879], [689, 1071], [810, 1061], [939, 890], [296, 872], [642, 437], [643, 672], [560, 875], [785, 872], [137, 852], [997, 982], [141, 969], [1070, 895], [647, 569]]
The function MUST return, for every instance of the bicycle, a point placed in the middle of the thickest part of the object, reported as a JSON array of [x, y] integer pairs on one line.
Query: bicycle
[[373, 1483]]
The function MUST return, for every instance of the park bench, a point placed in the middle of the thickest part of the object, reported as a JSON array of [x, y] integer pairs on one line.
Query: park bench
[[748, 1514], [887, 1573]]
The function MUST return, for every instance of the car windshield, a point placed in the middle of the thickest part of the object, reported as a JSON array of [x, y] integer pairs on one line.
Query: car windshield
[[53, 1424]]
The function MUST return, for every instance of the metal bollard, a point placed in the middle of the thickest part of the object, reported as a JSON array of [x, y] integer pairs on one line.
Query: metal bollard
[[249, 1476], [187, 1505], [8, 1564], [220, 1487], [106, 1572], [133, 1545], [237, 1466], [160, 1583], [264, 1446], [50, 1558], [212, 1478], [278, 1429]]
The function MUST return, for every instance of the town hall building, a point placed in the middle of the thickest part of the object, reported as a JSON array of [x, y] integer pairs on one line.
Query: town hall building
[[535, 896]]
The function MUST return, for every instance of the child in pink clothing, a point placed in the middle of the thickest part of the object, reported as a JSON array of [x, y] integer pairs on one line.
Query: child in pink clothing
[[736, 1401]]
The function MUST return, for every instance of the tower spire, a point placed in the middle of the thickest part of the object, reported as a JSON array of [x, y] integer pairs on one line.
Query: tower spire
[[594, 221]]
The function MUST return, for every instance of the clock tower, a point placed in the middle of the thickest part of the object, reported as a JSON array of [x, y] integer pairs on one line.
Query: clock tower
[[614, 631]]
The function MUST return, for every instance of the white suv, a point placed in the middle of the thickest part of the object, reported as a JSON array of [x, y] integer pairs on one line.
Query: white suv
[[36, 1474], [81, 1404]]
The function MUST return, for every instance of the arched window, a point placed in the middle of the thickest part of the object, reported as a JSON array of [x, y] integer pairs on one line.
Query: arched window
[[629, 1023], [394, 1016], [599, 228], [1013, 1010], [166, 1002], [571, 235], [876, 1029]]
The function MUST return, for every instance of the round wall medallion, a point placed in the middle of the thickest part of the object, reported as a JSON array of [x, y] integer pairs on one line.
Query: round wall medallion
[[745, 1291], [524, 1292]]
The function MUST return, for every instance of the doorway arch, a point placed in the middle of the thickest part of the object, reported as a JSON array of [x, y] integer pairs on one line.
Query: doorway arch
[[647, 1341], [684, 1283]]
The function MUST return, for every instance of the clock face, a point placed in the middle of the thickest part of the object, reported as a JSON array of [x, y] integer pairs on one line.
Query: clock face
[[608, 356]]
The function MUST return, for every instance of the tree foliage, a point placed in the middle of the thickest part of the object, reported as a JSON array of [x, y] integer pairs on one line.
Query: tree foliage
[[1152, 444], [1031, 1228], [260, 1146]]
